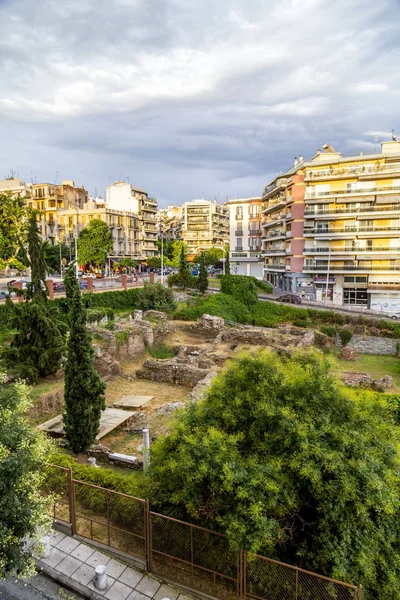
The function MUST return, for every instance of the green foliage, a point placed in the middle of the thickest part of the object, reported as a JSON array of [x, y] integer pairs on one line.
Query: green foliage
[[121, 338], [23, 453], [94, 243], [202, 280], [177, 247], [211, 257], [14, 216], [38, 344], [154, 262], [84, 390], [328, 330], [162, 351], [265, 287], [185, 277], [345, 336], [52, 255], [174, 280], [227, 262], [240, 287], [168, 249], [286, 463], [219, 305], [154, 296], [301, 323], [95, 315], [398, 348], [128, 299]]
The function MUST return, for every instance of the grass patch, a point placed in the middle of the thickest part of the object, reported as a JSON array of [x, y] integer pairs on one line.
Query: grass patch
[[375, 365], [162, 351]]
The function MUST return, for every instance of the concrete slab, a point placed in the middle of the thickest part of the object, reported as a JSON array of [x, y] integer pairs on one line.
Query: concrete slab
[[84, 574], [82, 552], [131, 577], [166, 591], [69, 565], [118, 591], [115, 569], [67, 545], [133, 401], [148, 586], [137, 596], [109, 420], [55, 557], [97, 558]]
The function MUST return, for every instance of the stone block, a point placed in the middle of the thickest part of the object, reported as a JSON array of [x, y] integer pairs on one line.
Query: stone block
[[148, 586], [131, 577], [118, 591]]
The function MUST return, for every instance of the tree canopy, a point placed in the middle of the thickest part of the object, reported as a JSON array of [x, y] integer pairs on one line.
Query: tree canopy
[[14, 215], [211, 257], [94, 243], [23, 454], [52, 255], [287, 463]]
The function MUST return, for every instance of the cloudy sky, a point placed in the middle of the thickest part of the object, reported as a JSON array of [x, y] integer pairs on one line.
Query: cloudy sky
[[192, 97]]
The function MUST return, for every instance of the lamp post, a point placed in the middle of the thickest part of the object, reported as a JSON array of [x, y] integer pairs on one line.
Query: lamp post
[[162, 255], [327, 274]]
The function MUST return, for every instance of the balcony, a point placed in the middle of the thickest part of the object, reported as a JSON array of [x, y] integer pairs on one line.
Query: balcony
[[341, 250], [268, 189], [274, 251], [346, 268], [274, 220], [239, 232], [275, 267], [254, 248], [238, 249], [255, 231], [274, 235], [350, 230], [362, 171], [272, 204], [351, 210], [352, 192]]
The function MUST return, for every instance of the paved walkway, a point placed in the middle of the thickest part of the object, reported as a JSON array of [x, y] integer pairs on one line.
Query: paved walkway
[[74, 562], [35, 588]]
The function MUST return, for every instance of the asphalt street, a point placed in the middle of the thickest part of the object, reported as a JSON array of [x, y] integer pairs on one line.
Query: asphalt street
[[37, 588]]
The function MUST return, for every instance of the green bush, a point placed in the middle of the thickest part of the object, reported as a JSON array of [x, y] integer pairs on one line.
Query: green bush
[[261, 285], [328, 330], [242, 288], [95, 315], [155, 296], [301, 323], [121, 338], [162, 351], [218, 305], [345, 336], [174, 280]]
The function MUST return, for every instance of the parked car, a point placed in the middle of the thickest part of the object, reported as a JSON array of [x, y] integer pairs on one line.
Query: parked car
[[23, 281], [395, 316], [58, 286], [2, 294], [291, 298]]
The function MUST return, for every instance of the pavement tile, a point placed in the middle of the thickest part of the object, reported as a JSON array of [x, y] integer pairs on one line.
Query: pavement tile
[[110, 582], [82, 552], [118, 591], [137, 596], [115, 569], [130, 577], [69, 565], [55, 557], [185, 597], [148, 586], [56, 537], [166, 591], [97, 558], [67, 544], [84, 574]]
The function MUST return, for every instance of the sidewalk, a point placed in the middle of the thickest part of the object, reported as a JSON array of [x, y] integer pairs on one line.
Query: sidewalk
[[72, 563]]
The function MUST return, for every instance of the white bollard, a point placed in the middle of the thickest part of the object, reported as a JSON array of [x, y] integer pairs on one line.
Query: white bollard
[[91, 461], [46, 546], [100, 577], [146, 449]]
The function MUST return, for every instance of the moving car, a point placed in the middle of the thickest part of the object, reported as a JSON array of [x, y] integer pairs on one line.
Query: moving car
[[291, 298]]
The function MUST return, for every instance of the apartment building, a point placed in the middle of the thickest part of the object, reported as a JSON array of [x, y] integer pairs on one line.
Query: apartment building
[[352, 227], [124, 196], [205, 224], [169, 222], [283, 230], [245, 236]]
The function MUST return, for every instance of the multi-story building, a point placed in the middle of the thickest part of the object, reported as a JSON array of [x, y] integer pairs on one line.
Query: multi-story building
[[352, 227], [205, 224], [124, 196], [245, 236], [169, 222], [282, 230], [16, 186]]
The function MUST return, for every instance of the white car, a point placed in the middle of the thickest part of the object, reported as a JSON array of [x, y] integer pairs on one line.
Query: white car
[[395, 316]]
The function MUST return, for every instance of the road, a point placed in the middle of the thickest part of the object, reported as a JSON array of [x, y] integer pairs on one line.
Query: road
[[36, 588]]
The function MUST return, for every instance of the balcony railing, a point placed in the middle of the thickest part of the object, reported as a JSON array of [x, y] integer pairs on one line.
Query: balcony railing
[[239, 232], [275, 266], [274, 251], [334, 268], [272, 186], [360, 171], [255, 248], [238, 248], [352, 250], [364, 229], [352, 191], [281, 199], [274, 234], [254, 231], [361, 209]]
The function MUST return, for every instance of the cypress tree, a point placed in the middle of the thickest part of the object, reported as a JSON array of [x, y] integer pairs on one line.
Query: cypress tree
[[37, 347], [202, 282], [184, 271], [84, 390], [227, 262]]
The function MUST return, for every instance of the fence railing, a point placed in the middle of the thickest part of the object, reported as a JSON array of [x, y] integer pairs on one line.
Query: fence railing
[[190, 555]]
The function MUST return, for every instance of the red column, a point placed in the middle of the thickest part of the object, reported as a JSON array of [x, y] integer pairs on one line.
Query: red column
[[151, 277], [90, 284], [18, 284], [50, 287], [124, 280]]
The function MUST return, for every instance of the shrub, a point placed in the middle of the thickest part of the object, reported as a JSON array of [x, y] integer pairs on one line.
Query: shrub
[[95, 315], [345, 336], [122, 337], [218, 305], [328, 330], [155, 297], [398, 348], [261, 285], [162, 351], [120, 299], [175, 280], [240, 287], [301, 323]]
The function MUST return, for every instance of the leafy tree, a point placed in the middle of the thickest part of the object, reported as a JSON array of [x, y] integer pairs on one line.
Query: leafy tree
[[227, 262], [37, 347], [185, 277], [84, 390], [287, 463], [14, 215], [241, 287], [168, 248], [211, 257], [155, 297], [202, 281], [23, 454], [154, 263], [94, 243], [177, 246], [52, 255]]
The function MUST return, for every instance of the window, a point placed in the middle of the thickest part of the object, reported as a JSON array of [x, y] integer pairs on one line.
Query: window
[[70, 222], [239, 212]]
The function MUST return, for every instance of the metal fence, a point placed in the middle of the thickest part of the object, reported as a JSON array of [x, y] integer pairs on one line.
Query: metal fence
[[193, 556]]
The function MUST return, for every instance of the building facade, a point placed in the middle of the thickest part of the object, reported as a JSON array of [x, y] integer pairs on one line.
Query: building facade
[[245, 236], [205, 224], [123, 196], [169, 222]]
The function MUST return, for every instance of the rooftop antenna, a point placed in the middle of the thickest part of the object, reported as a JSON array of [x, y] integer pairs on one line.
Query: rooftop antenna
[[394, 137], [95, 192], [376, 141], [57, 178], [127, 177]]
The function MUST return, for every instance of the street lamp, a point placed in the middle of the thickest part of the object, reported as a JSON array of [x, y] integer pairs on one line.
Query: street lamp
[[162, 254], [327, 274]]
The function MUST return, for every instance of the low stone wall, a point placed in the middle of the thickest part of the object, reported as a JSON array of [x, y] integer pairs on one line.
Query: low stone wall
[[170, 371], [368, 344]]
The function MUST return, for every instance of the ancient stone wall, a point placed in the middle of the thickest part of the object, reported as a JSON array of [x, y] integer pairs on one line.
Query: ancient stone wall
[[368, 344], [171, 371]]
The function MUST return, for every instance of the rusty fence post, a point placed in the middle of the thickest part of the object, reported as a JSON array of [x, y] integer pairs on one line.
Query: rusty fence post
[[240, 574], [244, 574], [147, 534], [71, 498], [108, 517], [297, 584], [360, 590]]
